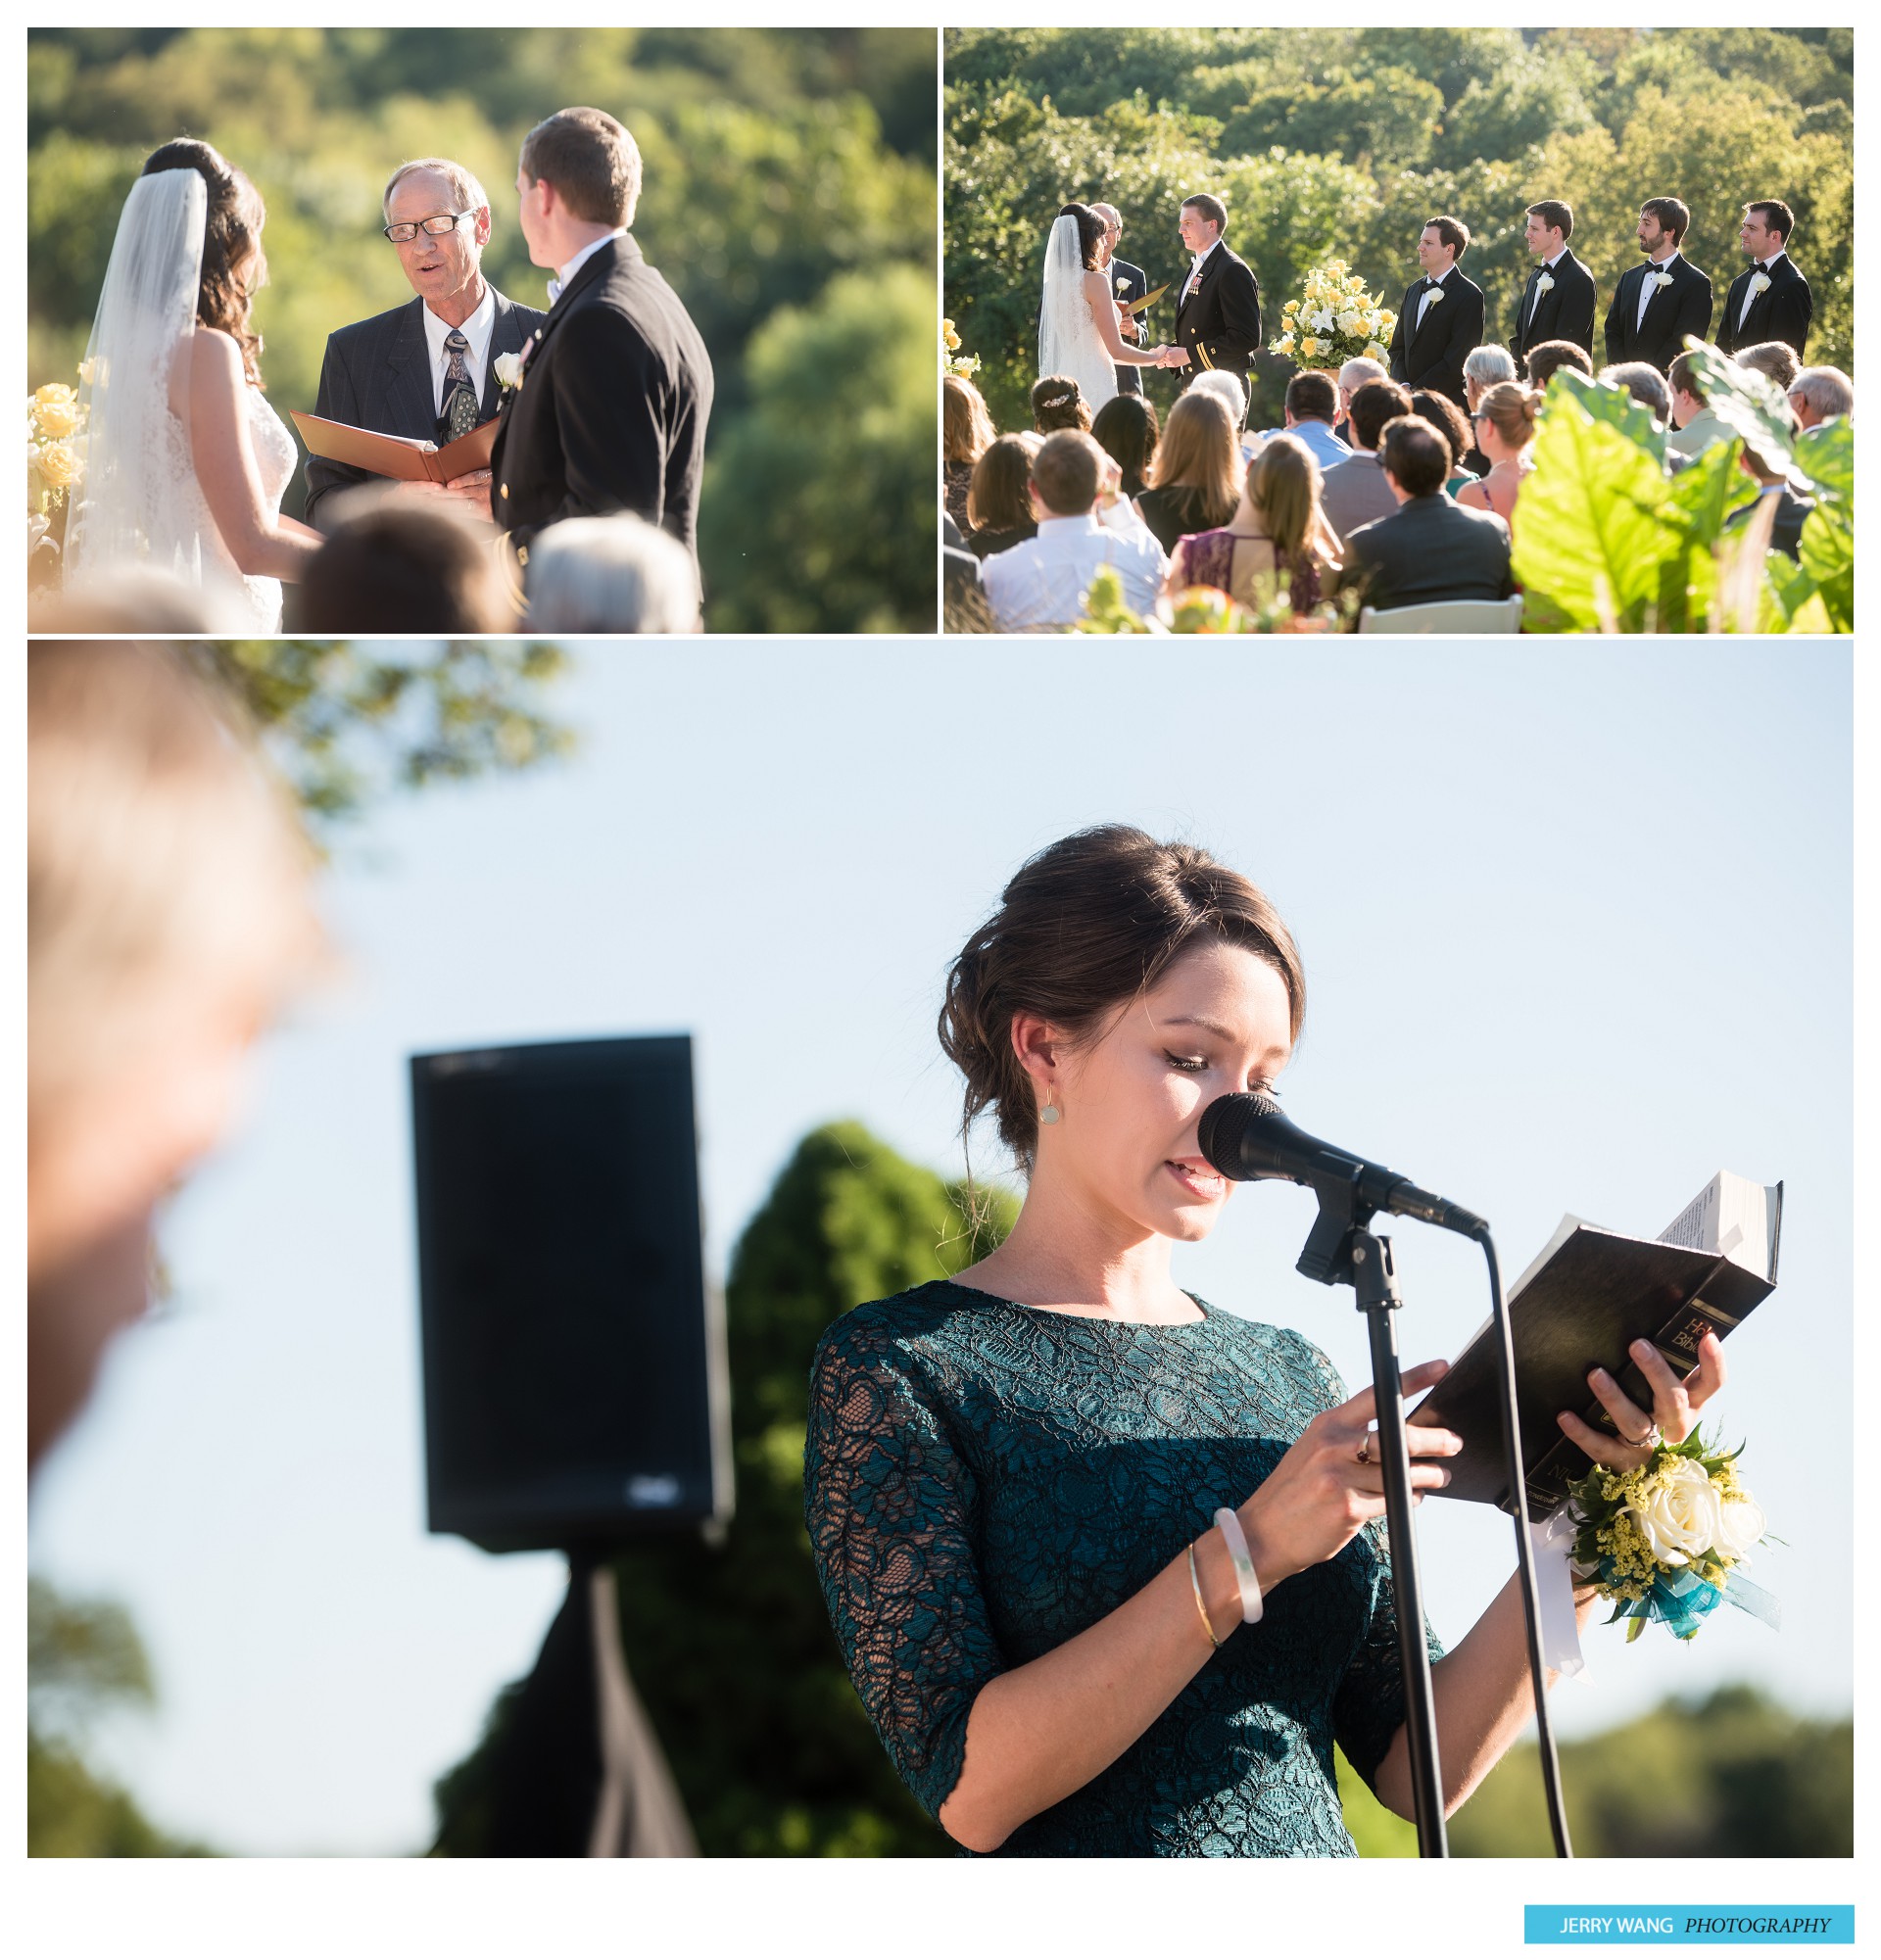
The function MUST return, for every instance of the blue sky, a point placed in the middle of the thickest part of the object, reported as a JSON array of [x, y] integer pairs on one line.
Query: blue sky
[[1577, 924]]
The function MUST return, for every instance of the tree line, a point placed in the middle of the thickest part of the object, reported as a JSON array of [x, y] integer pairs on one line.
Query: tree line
[[1343, 142]]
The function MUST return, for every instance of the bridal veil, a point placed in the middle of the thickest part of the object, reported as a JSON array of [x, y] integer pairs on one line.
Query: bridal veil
[[1064, 314]]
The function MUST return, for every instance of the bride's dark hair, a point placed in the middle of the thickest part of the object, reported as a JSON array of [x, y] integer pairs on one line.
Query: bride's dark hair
[[1090, 232], [231, 243]]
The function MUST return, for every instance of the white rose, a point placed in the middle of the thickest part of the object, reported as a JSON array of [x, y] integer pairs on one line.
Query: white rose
[[1741, 1523], [509, 370], [1759, 283], [1662, 278], [1350, 323], [1678, 1513], [1546, 283]]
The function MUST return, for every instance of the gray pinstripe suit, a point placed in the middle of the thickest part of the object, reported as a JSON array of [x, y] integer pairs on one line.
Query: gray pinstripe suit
[[377, 375]]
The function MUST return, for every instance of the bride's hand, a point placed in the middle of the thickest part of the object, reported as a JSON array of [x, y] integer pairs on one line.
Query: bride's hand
[[1675, 1413]]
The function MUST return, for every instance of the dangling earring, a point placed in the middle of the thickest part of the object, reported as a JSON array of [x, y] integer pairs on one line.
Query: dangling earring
[[1050, 1112]]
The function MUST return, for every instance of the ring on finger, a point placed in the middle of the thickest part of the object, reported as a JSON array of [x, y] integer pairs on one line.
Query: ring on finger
[[1364, 1451], [1650, 1441]]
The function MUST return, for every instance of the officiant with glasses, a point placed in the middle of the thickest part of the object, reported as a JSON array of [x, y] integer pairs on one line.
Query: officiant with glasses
[[428, 368], [1128, 284]]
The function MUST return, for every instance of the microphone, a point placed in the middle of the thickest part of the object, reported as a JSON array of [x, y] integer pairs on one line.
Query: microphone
[[1246, 1136]]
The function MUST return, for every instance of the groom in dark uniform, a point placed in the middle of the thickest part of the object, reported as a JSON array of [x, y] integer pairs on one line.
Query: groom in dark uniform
[[426, 368], [1657, 304], [1440, 322], [1126, 283], [1770, 300], [1217, 319], [617, 385], [1558, 303]]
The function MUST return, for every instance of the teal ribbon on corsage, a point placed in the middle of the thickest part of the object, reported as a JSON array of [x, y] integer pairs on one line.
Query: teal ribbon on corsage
[[1682, 1600]]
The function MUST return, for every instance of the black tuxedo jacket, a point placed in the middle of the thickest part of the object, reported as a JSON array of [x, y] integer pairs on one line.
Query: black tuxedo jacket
[[377, 375], [1564, 313], [1673, 311], [617, 391], [1430, 355], [1781, 313], [1220, 322], [1130, 380], [1430, 550]]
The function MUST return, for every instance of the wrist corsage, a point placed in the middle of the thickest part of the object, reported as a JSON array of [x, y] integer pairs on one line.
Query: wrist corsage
[[1664, 1540]]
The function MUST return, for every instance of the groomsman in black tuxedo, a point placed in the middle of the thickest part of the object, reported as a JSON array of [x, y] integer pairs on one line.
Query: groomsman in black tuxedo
[[426, 368], [1558, 302], [1126, 283], [1217, 319], [1441, 319], [616, 386], [1656, 304], [1770, 299]]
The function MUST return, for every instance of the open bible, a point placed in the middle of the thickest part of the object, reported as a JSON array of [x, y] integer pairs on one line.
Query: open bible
[[410, 458], [1581, 1303]]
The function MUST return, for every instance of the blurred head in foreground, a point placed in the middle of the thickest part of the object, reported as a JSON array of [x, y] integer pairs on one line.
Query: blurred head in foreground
[[397, 564], [168, 918], [615, 574]]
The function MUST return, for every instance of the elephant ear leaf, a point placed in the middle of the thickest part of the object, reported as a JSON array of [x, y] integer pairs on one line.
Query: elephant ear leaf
[[1749, 403], [1605, 402]]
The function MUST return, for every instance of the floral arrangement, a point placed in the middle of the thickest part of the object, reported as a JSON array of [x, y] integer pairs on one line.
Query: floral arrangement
[[1664, 1540], [953, 361], [1204, 610], [55, 421], [1337, 321]]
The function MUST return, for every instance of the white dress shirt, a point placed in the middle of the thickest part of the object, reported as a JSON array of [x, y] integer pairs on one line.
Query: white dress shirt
[[1040, 586], [1750, 297], [563, 274], [476, 330], [1647, 289], [1547, 265], [1423, 305]]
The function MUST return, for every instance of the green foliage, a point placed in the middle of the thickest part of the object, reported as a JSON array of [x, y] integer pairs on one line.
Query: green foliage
[[1731, 1776], [730, 1646], [775, 162], [1336, 141], [349, 725], [817, 508]]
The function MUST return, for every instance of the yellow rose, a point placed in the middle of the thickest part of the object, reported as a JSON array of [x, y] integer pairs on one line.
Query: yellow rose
[[54, 391], [951, 338], [55, 418], [59, 465], [1309, 346], [1373, 351], [1291, 307], [1284, 345]]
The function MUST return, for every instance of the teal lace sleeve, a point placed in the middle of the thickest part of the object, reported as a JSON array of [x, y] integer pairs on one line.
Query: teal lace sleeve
[[891, 1506]]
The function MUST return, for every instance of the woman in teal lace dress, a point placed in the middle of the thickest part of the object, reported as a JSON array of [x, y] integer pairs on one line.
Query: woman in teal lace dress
[[1010, 1478]]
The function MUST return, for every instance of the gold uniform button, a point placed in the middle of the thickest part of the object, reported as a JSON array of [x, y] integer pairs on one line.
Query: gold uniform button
[[522, 554], [506, 489]]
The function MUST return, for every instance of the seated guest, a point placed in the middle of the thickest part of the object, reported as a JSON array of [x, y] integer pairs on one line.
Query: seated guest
[[966, 428], [1353, 376], [1312, 401], [1355, 492], [392, 565], [1776, 360], [999, 502], [1218, 381], [1482, 367], [1505, 433], [1430, 550], [615, 574], [1457, 430], [1058, 402], [1277, 529], [1792, 509], [135, 600], [1040, 586], [1694, 426], [1552, 355], [1195, 476], [1646, 385], [1126, 427], [1819, 394]]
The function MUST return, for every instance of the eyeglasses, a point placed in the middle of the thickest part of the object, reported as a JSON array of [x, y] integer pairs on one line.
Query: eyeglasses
[[432, 227]]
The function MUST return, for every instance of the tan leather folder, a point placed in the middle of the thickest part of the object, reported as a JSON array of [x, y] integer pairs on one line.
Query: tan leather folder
[[408, 458]]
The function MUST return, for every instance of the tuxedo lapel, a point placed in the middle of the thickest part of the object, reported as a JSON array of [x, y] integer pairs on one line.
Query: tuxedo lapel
[[1530, 304], [413, 399]]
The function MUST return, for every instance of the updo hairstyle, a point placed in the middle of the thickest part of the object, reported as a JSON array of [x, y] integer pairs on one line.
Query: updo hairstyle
[[1058, 402], [234, 269], [1510, 409], [1085, 927]]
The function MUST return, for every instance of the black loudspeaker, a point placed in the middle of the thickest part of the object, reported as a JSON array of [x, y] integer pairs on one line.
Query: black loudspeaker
[[575, 1390]]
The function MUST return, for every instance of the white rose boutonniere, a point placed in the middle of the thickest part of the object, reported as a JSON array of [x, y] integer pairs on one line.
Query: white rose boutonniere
[[1759, 283], [1435, 295], [507, 369], [1546, 283], [1662, 278], [1123, 285]]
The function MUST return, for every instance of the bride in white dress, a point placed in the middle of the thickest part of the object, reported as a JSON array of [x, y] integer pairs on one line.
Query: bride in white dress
[[185, 463], [1078, 331]]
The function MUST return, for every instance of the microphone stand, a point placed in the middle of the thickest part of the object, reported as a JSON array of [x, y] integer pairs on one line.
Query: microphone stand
[[1342, 1252]]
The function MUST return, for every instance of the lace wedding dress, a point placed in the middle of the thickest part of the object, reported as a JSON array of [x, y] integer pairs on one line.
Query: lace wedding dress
[[140, 507], [1069, 342]]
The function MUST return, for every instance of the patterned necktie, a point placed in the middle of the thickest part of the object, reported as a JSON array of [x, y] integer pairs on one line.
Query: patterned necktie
[[460, 415]]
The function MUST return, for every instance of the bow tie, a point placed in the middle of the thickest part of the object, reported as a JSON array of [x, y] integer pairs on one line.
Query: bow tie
[[1760, 265]]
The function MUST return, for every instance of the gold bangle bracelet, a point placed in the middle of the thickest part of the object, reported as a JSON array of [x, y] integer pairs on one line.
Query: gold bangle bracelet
[[1197, 1582]]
